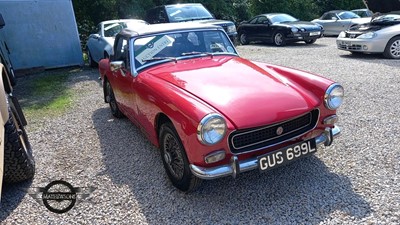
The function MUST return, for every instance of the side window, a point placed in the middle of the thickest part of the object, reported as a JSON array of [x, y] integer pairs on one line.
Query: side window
[[262, 20], [254, 21]]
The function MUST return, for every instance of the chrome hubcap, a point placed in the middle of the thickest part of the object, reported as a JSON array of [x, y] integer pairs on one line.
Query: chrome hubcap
[[278, 39], [395, 49], [243, 38]]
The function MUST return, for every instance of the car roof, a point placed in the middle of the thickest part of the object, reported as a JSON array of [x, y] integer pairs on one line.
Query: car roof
[[337, 11], [183, 4], [123, 20], [166, 27], [271, 14]]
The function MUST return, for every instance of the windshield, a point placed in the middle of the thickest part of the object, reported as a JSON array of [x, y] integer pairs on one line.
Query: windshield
[[348, 15], [180, 45], [112, 29], [180, 13], [281, 18]]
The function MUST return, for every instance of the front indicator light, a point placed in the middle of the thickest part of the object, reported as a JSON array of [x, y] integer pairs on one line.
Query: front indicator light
[[331, 120], [215, 157]]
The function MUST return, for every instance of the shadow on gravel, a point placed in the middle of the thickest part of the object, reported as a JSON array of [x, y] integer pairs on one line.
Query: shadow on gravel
[[11, 197], [371, 58], [291, 45], [305, 192]]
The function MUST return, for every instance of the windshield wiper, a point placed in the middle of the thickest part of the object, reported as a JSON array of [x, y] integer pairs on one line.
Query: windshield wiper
[[160, 58], [198, 53]]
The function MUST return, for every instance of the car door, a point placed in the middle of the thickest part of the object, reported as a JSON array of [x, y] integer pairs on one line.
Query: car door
[[331, 23], [123, 81], [264, 28], [251, 29]]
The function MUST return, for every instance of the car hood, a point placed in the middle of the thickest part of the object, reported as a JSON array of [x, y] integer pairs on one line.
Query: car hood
[[246, 94], [214, 22], [110, 40], [361, 20], [300, 24], [365, 28]]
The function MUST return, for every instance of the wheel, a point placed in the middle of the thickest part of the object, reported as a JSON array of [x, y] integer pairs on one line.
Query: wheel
[[110, 98], [19, 164], [392, 50], [92, 63], [175, 160], [243, 39], [279, 39], [311, 41]]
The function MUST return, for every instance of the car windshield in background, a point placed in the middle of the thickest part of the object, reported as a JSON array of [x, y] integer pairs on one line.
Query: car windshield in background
[[112, 29], [174, 46], [187, 13], [391, 18], [348, 15], [281, 18]]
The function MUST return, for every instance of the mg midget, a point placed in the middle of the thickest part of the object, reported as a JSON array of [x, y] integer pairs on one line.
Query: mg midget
[[210, 112]]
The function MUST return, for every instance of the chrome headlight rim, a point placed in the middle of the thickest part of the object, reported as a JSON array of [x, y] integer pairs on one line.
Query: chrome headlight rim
[[206, 119], [328, 96]]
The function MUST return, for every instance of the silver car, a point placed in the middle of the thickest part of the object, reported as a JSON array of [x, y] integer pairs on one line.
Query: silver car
[[100, 44], [382, 35], [337, 21]]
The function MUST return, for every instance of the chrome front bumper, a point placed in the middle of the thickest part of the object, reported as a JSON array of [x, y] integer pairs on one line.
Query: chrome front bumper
[[235, 166]]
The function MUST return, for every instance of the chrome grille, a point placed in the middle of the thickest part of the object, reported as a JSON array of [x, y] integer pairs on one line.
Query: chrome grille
[[261, 137]]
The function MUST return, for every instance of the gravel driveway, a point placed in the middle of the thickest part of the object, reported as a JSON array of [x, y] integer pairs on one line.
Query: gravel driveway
[[355, 181]]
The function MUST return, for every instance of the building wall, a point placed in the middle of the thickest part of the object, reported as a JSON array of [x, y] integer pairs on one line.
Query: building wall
[[41, 33]]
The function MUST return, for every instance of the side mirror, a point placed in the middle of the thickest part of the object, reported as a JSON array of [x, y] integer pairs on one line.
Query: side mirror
[[333, 18], [116, 65], [2, 23]]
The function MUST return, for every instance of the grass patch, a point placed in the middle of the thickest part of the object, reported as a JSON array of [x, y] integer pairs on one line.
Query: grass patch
[[46, 95]]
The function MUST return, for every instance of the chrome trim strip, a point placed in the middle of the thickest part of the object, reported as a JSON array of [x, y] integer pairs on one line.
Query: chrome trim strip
[[236, 166]]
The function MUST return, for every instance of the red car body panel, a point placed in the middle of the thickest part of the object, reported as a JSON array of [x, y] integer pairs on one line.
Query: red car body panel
[[248, 94]]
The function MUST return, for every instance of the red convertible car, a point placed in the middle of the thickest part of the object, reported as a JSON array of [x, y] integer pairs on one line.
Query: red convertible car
[[211, 112]]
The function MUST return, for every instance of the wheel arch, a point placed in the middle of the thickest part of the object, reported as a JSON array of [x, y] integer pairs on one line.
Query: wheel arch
[[160, 119]]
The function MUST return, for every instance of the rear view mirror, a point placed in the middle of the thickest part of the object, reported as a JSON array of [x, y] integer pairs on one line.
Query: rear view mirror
[[2, 23]]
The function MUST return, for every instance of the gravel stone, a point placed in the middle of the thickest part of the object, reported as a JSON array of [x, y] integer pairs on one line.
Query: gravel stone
[[354, 181]]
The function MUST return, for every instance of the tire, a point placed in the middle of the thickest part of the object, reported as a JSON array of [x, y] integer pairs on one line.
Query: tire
[[110, 98], [92, 63], [392, 50], [175, 161], [311, 41], [279, 39], [243, 39], [19, 164]]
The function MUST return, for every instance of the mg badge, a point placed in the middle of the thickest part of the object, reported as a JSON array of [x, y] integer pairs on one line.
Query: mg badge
[[279, 131]]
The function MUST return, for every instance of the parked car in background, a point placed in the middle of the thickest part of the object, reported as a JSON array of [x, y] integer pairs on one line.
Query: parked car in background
[[279, 29], [382, 35], [189, 12], [16, 159], [99, 44], [337, 21], [211, 112], [363, 12], [4, 54]]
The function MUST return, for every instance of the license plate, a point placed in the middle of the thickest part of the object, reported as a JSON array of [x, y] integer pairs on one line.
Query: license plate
[[286, 155], [315, 33]]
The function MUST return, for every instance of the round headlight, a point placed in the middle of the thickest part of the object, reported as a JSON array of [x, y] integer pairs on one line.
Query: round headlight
[[212, 129], [294, 30], [334, 96], [342, 34]]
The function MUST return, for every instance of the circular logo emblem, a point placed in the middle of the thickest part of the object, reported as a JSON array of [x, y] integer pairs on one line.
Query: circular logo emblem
[[59, 196], [279, 131]]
